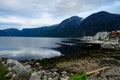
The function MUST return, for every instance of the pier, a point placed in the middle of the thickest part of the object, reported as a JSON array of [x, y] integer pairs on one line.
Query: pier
[[66, 44]]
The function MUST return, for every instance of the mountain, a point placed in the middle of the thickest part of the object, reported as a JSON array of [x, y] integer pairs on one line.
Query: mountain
[[101, 21], [10, 32], [67, 28], [72, 27]]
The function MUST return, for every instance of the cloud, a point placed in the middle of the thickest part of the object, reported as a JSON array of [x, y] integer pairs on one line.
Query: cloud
[[32, 54], [112, 8], [84, 8], [25, 22], [32, 13]]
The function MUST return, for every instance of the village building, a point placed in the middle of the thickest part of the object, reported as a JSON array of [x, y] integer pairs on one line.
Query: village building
[[110, 40]]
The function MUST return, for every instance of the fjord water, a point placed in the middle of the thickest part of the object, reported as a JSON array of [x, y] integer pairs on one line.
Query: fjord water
[[22, 48]]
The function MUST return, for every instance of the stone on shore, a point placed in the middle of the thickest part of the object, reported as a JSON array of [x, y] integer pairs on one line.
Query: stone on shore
[[34, 76], [22, 75]]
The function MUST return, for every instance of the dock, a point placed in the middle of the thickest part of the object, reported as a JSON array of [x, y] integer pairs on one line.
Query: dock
[[66, 44]]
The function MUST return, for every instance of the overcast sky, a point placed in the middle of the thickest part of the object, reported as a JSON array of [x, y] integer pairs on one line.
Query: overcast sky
[[36, 13]]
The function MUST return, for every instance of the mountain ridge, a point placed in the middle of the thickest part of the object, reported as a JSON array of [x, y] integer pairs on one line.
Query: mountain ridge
[[63, 29], [74, 26], [101, 21]]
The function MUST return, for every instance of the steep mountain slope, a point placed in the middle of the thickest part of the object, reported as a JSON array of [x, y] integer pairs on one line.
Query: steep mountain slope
[[101, 21]]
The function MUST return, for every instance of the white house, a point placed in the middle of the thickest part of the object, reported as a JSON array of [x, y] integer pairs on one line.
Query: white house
[[101, 36]]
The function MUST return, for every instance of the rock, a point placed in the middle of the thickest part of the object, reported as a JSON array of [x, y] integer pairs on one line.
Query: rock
[[13, 76], [49, 73], [3, 62], [18, 67], [44, 77], [50, 79], [54, 70], [64, 73], [35, 76], [22, 75], [54, 73], [11, 63], [9, 75], [28, 67], [40, 73], [43, 71], [14, 65], [9, 69], [66, 78], [55, 76], [37, 64], [113, 73]]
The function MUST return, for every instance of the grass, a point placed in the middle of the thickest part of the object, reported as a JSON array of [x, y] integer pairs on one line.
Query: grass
[[83, 76], [3, 72]]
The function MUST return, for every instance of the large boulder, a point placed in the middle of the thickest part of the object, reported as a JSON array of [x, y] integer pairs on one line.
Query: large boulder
[[15, 65], [34, 76], [22, 75]]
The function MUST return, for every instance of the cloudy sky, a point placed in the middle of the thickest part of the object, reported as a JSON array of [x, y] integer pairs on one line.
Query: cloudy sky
[[36, 13]]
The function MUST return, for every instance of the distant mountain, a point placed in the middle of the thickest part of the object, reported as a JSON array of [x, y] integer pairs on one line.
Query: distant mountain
[[10, 32], [67, 28], [72, 27], [101, 21]]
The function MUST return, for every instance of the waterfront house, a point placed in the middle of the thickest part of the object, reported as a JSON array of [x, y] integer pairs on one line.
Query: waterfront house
[[100, 36], [109, 40], [114, 36], [112, 41]]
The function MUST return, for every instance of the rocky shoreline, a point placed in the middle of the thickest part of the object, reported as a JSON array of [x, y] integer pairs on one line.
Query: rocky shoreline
[[33, 70]]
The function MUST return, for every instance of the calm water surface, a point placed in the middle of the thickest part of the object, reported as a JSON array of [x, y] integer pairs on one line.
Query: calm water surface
[[29, 48]]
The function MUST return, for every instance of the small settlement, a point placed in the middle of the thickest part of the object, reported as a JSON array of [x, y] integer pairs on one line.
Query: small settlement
[[106, 40]]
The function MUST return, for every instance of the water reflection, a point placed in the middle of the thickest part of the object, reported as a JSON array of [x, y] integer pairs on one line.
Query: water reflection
[[28, 53], [29, 48]]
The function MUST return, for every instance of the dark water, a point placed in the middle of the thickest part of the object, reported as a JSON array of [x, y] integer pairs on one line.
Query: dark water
[[29, 48]]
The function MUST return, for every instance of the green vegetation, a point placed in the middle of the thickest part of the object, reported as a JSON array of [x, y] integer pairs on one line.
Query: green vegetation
[[100, 39], [3, 72], [83, 76]]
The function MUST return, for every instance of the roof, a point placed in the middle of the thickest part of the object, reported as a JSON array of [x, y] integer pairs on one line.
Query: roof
[[114, 34]]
